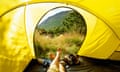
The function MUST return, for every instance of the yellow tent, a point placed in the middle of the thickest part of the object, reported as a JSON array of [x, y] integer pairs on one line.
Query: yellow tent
[[18, 19]]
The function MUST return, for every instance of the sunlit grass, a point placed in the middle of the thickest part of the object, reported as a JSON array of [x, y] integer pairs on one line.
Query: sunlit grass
[[69, 42]]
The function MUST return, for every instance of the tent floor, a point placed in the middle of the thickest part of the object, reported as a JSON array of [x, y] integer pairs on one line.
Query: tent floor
[[87, 65]]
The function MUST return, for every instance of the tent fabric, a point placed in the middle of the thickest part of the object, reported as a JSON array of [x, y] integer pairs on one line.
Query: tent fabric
[[102, 39], [15, 52]]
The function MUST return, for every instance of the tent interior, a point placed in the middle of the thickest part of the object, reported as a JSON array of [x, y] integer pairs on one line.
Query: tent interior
[[29, 31]]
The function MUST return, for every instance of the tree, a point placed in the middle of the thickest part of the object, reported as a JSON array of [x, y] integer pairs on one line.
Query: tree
[[74, 22]]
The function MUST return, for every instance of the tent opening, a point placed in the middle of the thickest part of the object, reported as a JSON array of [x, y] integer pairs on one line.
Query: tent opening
[[60, 27]]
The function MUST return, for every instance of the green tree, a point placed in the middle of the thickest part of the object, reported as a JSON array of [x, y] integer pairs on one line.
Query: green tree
[[74, 22]]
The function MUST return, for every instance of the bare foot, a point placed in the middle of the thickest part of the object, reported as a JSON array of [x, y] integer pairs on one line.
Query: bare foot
[[59, 50]]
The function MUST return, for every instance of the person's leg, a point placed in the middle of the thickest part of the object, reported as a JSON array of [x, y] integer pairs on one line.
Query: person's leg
[[57, 58], [61, 68], [54, 66]]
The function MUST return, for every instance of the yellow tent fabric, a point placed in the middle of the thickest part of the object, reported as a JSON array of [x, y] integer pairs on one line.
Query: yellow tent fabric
[[102, 39], [15, 52]]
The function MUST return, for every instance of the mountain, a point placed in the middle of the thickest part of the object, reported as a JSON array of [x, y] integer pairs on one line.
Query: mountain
[[53, 21]]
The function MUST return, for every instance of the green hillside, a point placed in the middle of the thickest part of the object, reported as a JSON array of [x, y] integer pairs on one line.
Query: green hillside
[[53, 21]]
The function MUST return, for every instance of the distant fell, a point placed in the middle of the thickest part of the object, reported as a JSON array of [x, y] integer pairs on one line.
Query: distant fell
[[54, 21]]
